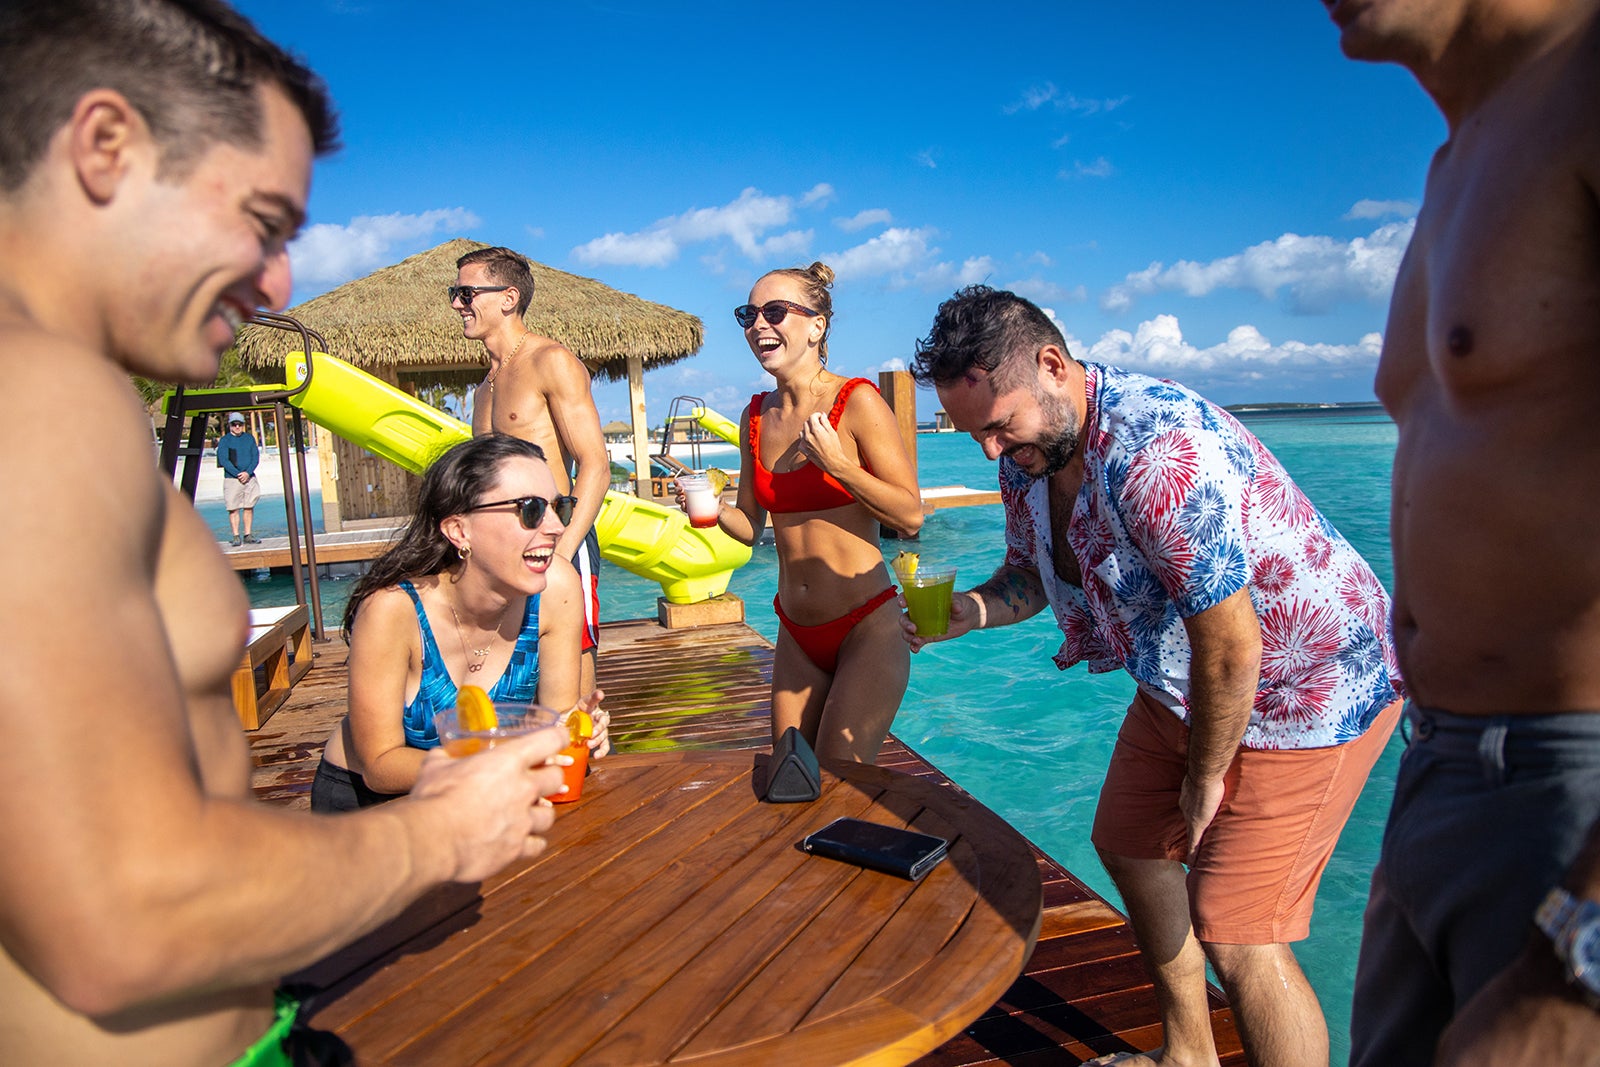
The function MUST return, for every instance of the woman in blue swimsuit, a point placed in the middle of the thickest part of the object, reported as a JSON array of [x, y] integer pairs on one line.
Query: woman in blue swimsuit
[[471, 593]]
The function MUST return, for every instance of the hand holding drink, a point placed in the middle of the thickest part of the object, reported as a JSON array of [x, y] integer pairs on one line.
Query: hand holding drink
[[927, 592], [702, 496], [486, 800]]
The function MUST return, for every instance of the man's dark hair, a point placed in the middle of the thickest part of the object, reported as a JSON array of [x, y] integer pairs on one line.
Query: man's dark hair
[[505, 267], [191, 68], [980, 329]]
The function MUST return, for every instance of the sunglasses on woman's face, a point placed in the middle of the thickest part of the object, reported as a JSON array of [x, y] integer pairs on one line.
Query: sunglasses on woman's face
[[531, 508], [773, 311]]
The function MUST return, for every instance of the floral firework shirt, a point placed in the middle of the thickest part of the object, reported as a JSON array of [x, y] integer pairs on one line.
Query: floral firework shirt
[[1180, 508]]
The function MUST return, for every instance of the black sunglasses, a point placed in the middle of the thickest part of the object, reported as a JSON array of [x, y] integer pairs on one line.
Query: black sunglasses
[[468, 293], [532, 508], [773, 311]]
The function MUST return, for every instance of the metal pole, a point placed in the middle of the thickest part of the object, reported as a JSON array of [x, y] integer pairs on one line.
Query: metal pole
[[314, 580], [288, 507]]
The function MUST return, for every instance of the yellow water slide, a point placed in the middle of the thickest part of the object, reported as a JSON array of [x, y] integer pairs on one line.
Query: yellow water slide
[[640, 536], [720, 425]]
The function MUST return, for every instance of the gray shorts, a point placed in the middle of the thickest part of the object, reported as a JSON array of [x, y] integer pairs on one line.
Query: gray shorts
[[1488, 813], [236, 496]]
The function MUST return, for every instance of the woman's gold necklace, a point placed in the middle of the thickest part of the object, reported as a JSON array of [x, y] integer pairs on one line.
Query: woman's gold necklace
[[481, 654]]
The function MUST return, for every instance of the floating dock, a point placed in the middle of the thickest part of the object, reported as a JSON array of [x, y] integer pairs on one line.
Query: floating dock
[[1084, 992]]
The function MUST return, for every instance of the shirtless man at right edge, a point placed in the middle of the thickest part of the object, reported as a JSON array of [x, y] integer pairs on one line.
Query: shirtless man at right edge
[[1486, 901], [155, 161]]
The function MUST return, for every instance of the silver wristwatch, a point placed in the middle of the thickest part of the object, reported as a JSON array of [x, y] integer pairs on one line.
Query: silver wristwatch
[[1573, 926]]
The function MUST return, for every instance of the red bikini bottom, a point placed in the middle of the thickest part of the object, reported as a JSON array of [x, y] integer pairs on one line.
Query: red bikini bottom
[[821, 643]]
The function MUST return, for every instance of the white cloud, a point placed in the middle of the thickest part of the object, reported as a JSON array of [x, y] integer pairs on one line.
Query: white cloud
[[1037, 96], [893, 363], [744, 222], [876, 216], [1377, 209], [792, 243], [818, 194], [1033, 98], [328, 254], [1315, 272], [926, 158], [1070, 102], [895, 249], [1099, 168], [947, 276], [1157, 347], [1041, 291]]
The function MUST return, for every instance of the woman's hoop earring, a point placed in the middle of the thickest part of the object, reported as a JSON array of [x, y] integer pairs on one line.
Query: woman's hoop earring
[[463, 553]]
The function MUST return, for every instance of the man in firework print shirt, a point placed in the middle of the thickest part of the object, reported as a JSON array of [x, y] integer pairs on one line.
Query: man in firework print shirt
[[1171, 544]]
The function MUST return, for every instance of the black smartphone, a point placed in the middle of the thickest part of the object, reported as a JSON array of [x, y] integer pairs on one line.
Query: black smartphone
[[906, 853]]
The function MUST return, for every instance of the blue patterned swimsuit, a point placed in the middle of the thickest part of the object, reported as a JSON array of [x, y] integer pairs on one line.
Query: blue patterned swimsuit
[[520, 682]]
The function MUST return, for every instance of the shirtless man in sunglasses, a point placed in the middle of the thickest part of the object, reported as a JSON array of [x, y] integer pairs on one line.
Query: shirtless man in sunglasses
[[537, 390], [155, 164]]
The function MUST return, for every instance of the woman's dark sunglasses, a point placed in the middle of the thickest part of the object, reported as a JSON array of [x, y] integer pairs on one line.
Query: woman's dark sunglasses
[[531, 508], [468, 293], [773, 311]]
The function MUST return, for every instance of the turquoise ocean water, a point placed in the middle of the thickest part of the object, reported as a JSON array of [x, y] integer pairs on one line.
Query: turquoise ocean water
[[1031, 742]]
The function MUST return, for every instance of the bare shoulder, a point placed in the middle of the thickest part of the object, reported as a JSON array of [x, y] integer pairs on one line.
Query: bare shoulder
[[865, 409], [556, 363], [113, 452], [385, 615], [563, 585]]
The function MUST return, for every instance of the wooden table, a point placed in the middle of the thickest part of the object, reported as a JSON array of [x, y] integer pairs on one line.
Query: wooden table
[[674, 919]]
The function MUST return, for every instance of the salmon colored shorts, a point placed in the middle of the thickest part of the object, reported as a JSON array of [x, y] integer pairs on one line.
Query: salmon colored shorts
[[1255, 877]]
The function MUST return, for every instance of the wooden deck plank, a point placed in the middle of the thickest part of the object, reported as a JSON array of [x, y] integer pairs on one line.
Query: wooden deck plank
[[1084, 992]]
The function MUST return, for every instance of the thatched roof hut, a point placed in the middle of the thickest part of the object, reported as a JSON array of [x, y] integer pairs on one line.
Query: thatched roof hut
[[398, 319]]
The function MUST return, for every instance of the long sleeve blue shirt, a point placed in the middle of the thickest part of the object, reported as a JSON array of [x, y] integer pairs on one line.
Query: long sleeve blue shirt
[[238, 452]]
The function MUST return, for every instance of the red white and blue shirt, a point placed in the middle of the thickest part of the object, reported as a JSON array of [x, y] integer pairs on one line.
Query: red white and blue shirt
[[1181, 507]]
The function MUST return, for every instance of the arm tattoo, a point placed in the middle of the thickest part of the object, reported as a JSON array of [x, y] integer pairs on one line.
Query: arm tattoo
[[1013, 589]]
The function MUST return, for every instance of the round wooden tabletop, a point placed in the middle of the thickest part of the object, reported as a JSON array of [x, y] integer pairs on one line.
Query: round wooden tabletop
[[674, 919]]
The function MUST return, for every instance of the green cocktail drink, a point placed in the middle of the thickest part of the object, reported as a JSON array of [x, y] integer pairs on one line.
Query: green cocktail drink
[[928, 593]]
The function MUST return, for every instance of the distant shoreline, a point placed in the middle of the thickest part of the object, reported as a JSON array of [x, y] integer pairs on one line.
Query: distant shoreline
[[1354, 407]]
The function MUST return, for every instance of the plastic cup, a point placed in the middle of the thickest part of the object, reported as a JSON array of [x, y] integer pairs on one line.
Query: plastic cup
[[928, 593], [513, 720], [573, 776], [701, 502]]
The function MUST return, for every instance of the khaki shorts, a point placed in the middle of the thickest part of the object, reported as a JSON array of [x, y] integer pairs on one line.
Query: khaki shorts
[[236, 496], [1255, 878]]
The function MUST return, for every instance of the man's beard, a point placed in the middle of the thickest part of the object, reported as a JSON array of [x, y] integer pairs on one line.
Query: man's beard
[[1058, 448]]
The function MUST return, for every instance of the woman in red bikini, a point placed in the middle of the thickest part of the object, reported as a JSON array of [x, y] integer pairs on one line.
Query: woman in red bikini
[[824, 457]]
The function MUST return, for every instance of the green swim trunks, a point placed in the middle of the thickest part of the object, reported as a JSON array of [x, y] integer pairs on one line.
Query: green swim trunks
[[269, 1051]]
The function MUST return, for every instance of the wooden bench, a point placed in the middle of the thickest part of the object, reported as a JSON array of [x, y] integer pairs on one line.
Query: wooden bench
[[280, 642]]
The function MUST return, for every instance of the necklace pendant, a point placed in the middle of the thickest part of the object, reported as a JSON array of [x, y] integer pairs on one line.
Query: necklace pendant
[[474, 668]]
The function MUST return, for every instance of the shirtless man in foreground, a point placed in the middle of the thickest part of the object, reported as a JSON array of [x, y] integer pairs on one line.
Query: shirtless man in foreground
[[148, 904], [1491, 370], [537, 390]]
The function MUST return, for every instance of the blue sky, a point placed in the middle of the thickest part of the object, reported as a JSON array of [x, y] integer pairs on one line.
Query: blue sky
[[1206, 192]]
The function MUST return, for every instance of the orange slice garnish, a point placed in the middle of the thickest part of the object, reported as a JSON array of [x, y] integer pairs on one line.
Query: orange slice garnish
[[475, 709], [580, 726]]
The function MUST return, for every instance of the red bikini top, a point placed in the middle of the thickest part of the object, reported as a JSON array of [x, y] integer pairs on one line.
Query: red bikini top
[[808, 487]]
